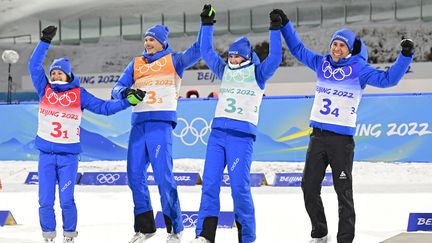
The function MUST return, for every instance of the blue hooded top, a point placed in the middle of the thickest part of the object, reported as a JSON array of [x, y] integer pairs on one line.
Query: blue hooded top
[[181, 61], [88, 101], [368, 75], [242, 47]]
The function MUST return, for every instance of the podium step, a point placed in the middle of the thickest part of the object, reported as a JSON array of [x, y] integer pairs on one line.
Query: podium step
[[410, 238]]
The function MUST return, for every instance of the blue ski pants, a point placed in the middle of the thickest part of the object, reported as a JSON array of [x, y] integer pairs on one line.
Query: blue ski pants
[[150, 142], [234, 150], [61, 168]]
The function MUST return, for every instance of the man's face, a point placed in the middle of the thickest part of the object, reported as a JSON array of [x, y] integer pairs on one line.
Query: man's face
[[58, 75], [152, 45], [338, 50], [235, 59]]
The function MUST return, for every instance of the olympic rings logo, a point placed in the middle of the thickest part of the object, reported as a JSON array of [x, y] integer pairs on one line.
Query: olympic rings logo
[[338, 73], [154, 66], [107, 178], [189, 221], [238, 76], [64, 100], [196, 131]]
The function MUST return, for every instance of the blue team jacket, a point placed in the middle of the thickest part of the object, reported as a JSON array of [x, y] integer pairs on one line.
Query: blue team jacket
[[263, 72], [88, 101], [368, 75], [181, 61]]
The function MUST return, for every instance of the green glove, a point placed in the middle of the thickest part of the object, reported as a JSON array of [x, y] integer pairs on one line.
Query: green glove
[[135, 96]]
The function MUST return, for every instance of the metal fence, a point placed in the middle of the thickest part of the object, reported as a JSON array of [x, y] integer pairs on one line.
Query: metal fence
[[241, 21]]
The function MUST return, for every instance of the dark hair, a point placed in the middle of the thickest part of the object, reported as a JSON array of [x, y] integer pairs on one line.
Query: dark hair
[[192, 92], [213, 94]]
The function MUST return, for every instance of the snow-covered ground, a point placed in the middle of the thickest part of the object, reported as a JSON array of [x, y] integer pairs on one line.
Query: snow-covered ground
[[384, 194]]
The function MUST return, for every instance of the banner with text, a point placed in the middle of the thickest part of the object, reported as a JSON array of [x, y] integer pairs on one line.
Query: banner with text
[[389, 128]]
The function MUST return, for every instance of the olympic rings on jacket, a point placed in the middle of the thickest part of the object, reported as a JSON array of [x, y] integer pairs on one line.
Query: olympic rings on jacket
[[338, 74], [65, 99]]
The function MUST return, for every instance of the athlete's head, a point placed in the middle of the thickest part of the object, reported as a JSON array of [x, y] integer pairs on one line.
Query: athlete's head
[[156, 39], [60, 70], [341, 44], [239, 53]]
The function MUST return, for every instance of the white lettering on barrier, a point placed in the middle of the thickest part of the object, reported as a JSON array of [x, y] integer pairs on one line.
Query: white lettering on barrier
[[182, 178], [367, 130], [35, 177], [393, 129], [290, 178], [424, 221]]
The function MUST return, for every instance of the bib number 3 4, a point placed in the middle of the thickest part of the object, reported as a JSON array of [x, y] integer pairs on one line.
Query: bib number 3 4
[[328, 110]]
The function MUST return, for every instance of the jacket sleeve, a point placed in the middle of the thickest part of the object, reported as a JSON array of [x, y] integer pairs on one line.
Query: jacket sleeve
[[383, 79], [212, 59], [36, 70], [125, 81], [297, 49], [187, 58], [102, 107], [268, 67]]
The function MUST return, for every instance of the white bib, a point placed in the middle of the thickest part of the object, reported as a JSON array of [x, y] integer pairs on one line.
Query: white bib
[[337, 95], [60, 116], [239, 95], [161, 82]]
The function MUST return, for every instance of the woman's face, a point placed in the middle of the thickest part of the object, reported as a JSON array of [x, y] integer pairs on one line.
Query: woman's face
[[58, 75], [235, 59]]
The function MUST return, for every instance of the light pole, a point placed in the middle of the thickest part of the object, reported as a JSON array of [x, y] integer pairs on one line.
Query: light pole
[[10, 57]]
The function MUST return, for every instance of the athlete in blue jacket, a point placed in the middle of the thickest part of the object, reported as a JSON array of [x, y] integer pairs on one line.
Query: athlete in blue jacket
[[234, 126], [159, 71], [342, 75], [61, 104]]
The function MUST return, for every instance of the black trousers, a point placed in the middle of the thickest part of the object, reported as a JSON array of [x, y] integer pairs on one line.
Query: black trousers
[[326, 148]]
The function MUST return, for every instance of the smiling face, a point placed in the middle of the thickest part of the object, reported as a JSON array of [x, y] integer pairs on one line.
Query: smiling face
[[235, 59], [152, 45], [58, 75], [338, 50]]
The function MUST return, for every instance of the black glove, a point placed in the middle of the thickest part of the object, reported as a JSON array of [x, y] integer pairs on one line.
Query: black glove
[[275, 21], [283, 16], [407, 47], [357, 47], [134, 96], [48, 33], [207, 15]]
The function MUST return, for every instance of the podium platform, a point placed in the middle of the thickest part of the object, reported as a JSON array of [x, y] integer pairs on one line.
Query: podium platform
[[410, 237]]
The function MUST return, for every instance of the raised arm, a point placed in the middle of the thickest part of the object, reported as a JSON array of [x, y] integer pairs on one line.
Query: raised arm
[[383, 79], [124, 82], [296, 47], [268, 67], [212, 59], [36, 70]]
